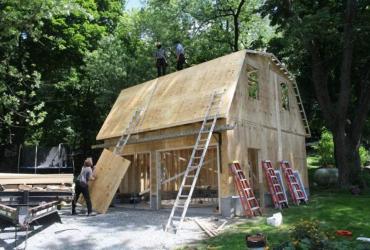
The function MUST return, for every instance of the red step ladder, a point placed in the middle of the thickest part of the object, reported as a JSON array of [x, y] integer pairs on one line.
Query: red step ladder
[[277, 193], [247, 198], [298, 195]]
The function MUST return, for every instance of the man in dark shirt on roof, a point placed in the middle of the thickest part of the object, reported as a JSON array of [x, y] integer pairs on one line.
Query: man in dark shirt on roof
[[160, 60]]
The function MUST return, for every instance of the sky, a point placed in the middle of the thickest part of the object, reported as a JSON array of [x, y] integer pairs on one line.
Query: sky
[[132, 4]]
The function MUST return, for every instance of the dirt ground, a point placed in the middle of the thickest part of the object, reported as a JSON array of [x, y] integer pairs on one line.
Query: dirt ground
[[120, 228]]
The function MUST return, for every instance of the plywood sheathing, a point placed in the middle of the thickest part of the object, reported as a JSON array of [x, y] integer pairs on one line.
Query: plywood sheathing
[[30, 179], [109, 171], [175, 99], [256, 121]]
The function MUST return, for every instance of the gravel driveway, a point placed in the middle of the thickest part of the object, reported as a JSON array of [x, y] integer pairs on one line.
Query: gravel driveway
[[120, 228]]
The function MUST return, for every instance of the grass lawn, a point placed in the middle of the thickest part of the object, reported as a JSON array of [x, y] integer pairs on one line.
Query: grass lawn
[[334, 211]]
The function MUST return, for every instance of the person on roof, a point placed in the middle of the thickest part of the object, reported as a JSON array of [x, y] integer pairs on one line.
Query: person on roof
[[180, 55], [160, 60]]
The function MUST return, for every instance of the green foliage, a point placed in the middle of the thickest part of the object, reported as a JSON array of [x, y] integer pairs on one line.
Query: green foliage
[[333, 210], [315, 37], [364, 155], [64, 62], [325, 149], [308, 234], [253, 85], [20, 80]]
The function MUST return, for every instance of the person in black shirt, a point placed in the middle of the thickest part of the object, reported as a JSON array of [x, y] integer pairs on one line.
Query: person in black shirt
[[160, 59]]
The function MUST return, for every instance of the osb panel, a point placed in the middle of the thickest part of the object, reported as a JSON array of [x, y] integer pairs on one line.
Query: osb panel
[[127, 182], [262, 111], [257, 125], [109, 172], [175, 99], [174, 143]]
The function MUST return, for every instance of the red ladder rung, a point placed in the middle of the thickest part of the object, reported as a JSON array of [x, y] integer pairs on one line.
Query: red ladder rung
[[247, 198]]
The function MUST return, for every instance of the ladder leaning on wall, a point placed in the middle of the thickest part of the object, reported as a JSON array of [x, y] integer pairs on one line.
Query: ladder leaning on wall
[[248, 200], [134, 121], [277, 193], [195, 163], [294, 184]]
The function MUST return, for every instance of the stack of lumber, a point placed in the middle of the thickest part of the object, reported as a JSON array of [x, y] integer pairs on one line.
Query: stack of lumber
[[32, 179], [211, 229]]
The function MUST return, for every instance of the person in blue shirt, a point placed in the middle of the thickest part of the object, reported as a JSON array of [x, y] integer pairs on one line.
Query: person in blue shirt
[[180, 55]]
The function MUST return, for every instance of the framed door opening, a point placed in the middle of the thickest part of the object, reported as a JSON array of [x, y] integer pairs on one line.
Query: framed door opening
[[174, 162], [134, 190]]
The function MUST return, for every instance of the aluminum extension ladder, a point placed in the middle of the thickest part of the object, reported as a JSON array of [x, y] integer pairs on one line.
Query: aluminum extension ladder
[[247, 199], [277, 193], [194, 166], [128, 131], [298, 195]]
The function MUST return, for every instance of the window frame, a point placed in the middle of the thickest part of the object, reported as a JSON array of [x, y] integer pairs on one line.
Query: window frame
[[284, 92], [255, 83]]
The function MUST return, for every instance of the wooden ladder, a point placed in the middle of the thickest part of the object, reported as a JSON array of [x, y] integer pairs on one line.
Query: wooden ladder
[[301, 108]]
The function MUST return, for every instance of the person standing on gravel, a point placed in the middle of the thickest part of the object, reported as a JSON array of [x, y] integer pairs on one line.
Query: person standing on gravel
[[82, 186]]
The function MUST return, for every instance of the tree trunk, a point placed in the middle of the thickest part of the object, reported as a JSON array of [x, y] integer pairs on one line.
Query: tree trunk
[[236, 33], [347, 159]]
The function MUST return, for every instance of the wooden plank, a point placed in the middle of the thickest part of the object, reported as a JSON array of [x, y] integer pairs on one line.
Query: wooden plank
[[208, 231], [30, 179], [109, 171]]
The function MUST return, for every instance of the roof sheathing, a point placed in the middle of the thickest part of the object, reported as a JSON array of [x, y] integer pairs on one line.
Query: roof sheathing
[[176, 99]]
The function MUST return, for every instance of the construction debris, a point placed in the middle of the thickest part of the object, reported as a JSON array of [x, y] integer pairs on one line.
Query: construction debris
[[211, 229]]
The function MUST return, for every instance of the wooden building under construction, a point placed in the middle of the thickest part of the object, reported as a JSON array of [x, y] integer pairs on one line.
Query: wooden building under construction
[[260, 118]]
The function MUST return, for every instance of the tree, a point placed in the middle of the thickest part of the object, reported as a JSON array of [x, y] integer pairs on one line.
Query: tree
[[332, 35], [208, 29], [68, 36], [43, 45], [20, 80]]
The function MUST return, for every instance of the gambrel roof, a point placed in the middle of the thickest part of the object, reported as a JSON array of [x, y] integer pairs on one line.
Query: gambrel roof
[[178, 98]]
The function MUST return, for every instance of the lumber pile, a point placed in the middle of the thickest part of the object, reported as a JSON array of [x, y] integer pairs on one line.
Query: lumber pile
[[31, 179], [211, 229]]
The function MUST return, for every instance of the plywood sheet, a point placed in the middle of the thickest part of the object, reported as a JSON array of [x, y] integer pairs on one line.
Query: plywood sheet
[[109, 171], [176, 99]]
